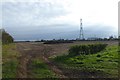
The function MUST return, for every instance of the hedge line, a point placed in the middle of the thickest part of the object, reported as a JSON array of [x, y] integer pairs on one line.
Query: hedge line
[[58, 42], [86, 49]]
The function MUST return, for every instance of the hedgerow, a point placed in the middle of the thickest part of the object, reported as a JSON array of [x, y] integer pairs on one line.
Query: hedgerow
[[86, 49]]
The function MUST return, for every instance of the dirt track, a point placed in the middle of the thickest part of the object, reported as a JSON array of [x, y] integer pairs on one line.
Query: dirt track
[[31, 49]]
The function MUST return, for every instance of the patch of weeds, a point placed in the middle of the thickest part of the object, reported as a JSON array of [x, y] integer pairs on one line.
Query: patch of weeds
[[104, 61], [9, 69], [40, 70], [110, 60], [10, 61], [79, 62], [98, 55], [99, 60]]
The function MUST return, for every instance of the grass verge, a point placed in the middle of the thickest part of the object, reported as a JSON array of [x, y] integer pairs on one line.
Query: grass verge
[[105, 62], [10, 61]]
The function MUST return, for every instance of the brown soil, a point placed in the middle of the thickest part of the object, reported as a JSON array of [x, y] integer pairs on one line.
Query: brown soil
[[30, 50]]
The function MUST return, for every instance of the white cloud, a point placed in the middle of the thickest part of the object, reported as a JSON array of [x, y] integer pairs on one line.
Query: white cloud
[[92, 11], [31, 13], [34, 13]]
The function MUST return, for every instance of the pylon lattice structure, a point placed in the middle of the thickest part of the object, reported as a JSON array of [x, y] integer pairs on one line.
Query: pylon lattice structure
[[81, 36]]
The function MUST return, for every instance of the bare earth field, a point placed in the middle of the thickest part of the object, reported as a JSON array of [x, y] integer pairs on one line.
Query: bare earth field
[[30, 50]]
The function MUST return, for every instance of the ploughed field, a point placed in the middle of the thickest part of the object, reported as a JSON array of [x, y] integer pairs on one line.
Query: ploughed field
[[38, 60]]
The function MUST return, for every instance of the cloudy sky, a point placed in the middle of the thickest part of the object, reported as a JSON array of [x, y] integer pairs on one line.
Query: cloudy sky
[[48, 19]]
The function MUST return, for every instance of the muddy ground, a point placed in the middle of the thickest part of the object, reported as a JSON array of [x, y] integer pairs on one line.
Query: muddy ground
[[30, 50]]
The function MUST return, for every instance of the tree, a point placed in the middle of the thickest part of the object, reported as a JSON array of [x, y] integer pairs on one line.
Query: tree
[[6, 37], [111, 37]]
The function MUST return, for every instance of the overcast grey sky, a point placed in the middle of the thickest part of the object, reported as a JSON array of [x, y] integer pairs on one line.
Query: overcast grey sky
[[48, 19]]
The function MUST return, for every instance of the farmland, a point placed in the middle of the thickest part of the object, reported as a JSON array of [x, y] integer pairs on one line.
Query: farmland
[[38, 60]]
